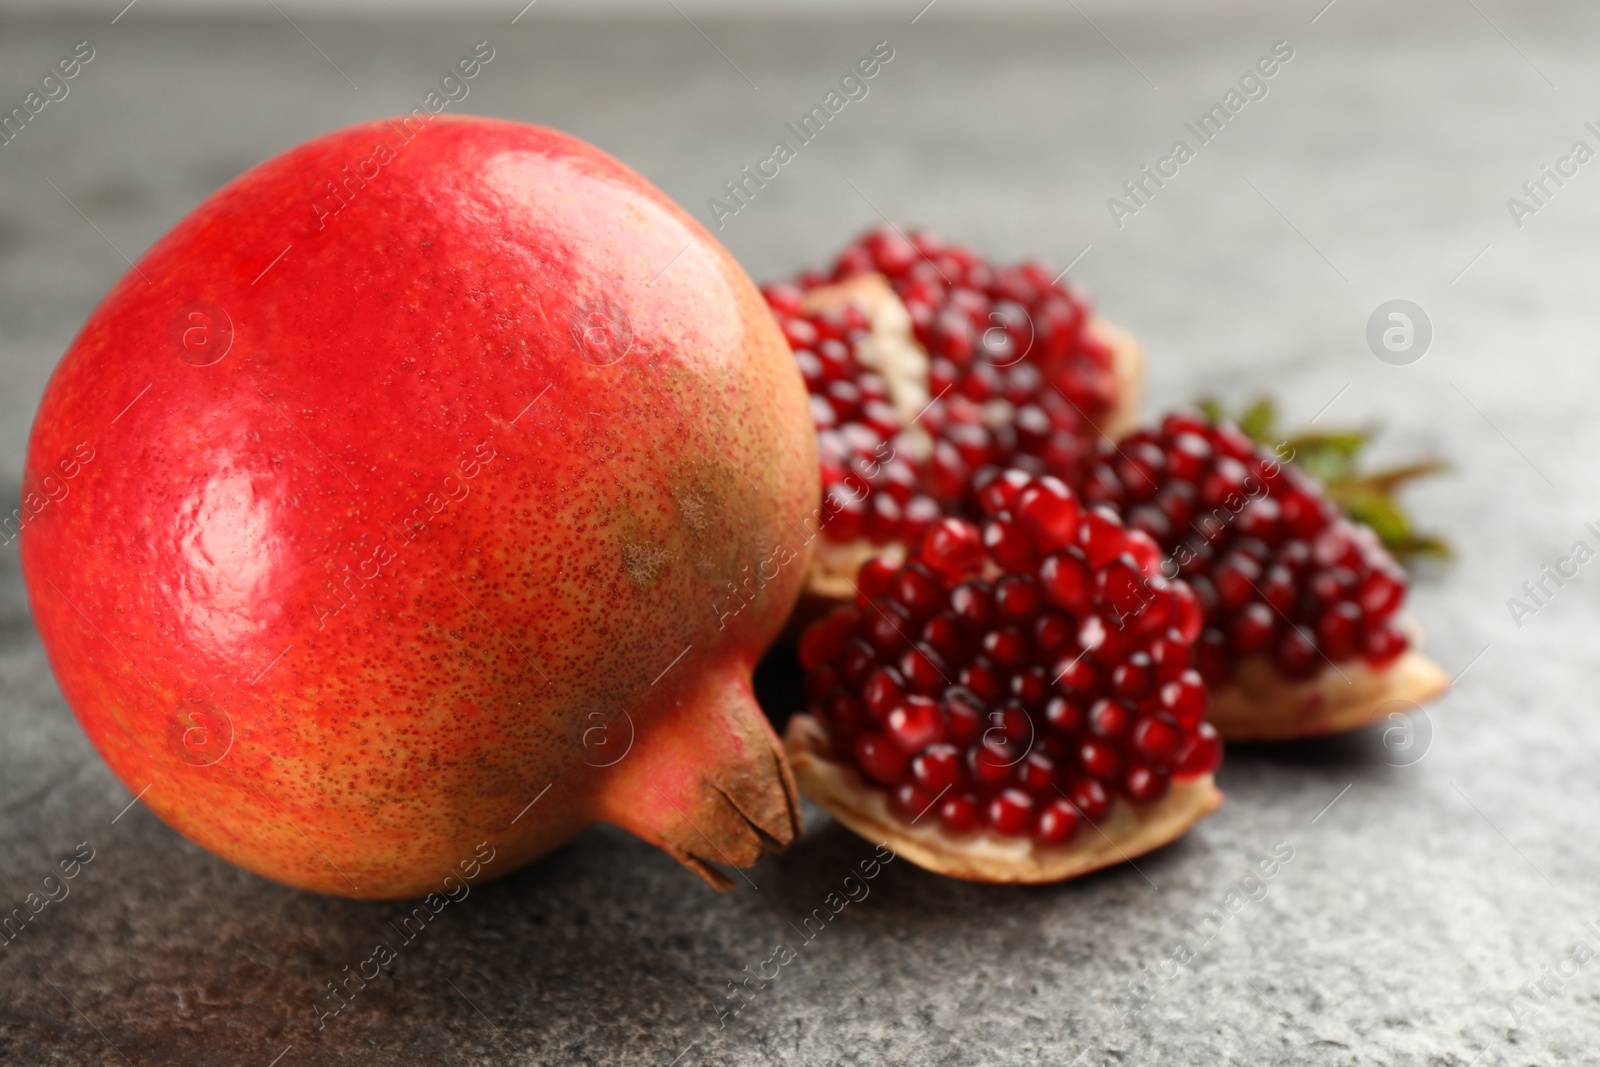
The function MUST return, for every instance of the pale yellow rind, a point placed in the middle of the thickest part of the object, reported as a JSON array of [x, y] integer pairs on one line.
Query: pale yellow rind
[[1127, 833], [1260, 704]]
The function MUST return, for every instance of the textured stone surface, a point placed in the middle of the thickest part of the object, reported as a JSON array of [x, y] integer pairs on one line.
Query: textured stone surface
[[1378, 166]]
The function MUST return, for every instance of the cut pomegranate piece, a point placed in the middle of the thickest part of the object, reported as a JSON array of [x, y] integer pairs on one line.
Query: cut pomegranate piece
[[1301, 606], [999, 722], [927, 365], [942, 386]]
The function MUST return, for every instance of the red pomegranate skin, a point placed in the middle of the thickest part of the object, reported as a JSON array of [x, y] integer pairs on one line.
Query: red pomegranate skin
[[456, 517]]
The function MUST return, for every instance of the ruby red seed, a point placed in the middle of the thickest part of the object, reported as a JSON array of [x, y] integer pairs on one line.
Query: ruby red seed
[[1276, 571], [1009, 336], [1030, 704]]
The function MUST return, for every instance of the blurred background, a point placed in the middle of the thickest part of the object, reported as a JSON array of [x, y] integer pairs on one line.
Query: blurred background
[[1434, 883]]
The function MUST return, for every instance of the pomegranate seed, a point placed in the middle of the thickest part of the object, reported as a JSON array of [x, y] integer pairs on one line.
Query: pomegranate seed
[[1035, 773], [1212, 657], [959, 813], [1187, 615], [1131, 679], [1091, 798], [818, 645], [1339, 630], [883, 691], [885, 625], [979, 676], [1296, 654], [1057, 822], [1121, 587], [923, 669], [1383, 645], [1030, 687], [1169, 656], [909, 800], [1013, 724], [1099, 759], [1067, 581], [952, 546], [914, 724], [1009, 812], [1253, 628], [875, 578], [937, 767], [1157, 737], [1200, 753], [880, 759], [1145, 551], [1109, 719], [1184, 698], [1017, 598], [1187, 455], [1049, 513], [1223, 485], [944, 634], [800, 332], [1009, 546], [918, 592], [990, 764], [1006, 648], [820, 681], [844, 713], [1145, 784], [1076, 676], [997, 492], [1052, 633], [1235, 579], [1380, 593], [964, 711], [856, 661], [1064, 715], [1259, 519], [972, 605]]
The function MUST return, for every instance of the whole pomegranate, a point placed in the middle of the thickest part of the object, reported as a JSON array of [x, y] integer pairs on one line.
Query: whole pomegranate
[[444, 483]]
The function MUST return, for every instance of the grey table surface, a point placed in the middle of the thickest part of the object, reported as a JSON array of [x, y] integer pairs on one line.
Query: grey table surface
[[1432, 878]]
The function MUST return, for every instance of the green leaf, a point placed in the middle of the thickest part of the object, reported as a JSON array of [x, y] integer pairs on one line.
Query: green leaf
[[1409, 548], [1258, 420], [1332, 456], [1345, 442], [1382, 513]]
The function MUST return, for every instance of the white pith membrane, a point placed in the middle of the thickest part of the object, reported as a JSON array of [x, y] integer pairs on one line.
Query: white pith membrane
[[892, 351], [1129, 831]]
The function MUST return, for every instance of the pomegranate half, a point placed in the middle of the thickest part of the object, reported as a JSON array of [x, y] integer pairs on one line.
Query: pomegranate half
[[1011, 704], [447, 482]]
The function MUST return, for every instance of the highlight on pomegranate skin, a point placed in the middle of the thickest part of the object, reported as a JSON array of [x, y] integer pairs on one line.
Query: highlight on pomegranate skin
[[926, 364], [1014, 696]]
